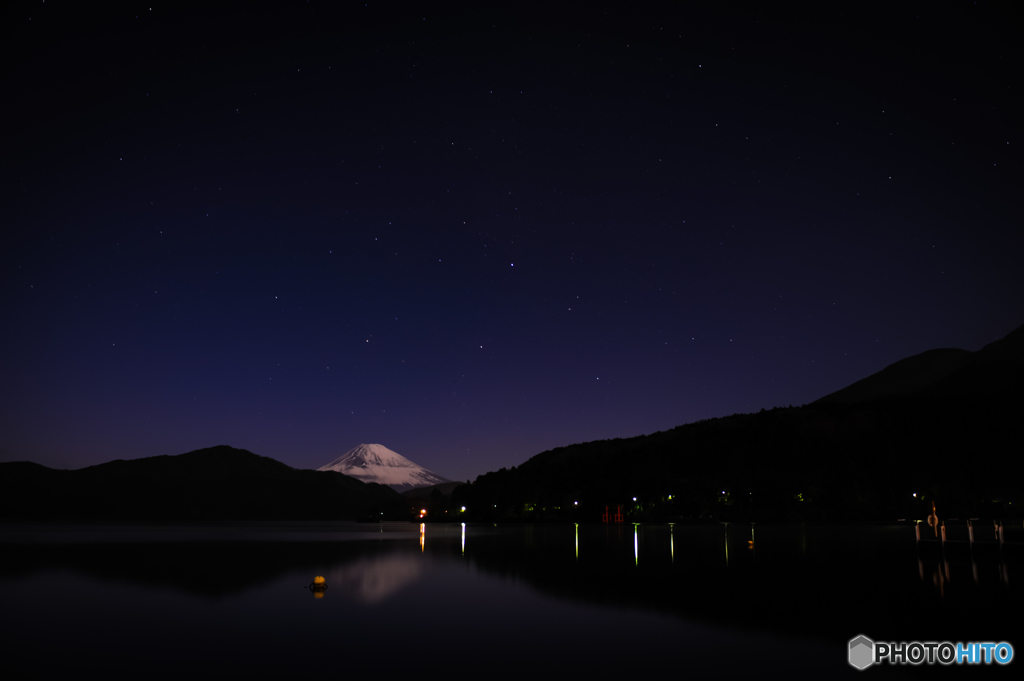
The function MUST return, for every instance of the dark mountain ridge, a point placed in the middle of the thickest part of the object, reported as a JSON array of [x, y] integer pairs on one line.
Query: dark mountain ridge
[[216, 483], [997, 367], [943, 425]]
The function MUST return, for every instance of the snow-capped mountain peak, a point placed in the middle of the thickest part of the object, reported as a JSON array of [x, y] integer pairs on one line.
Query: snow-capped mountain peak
[[377, 463]]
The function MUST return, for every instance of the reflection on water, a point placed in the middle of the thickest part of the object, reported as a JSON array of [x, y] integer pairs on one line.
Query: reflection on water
[[938, 572], [794, 578], [726, 544], [499, 591], [374, 578]]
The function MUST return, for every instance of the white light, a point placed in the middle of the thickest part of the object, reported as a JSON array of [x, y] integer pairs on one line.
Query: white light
[[634, 498]]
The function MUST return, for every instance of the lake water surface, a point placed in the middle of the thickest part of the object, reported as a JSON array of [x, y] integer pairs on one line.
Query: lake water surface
[[621, 601]]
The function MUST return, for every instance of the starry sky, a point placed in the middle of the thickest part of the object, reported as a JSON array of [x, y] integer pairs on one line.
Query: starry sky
[[474, 235]]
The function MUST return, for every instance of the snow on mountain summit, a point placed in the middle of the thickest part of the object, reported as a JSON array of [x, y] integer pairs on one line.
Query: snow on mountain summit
[[377, 463]]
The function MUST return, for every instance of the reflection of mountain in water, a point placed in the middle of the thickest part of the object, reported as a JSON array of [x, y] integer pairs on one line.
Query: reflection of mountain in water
[[216, 569], [372, 579], [805, 581], [818, 582]]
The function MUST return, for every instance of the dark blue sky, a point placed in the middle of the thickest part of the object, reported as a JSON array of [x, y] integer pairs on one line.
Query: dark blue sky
[[475, 236]]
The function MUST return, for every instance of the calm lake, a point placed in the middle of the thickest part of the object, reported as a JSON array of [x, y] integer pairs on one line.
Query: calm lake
[[615, 601]]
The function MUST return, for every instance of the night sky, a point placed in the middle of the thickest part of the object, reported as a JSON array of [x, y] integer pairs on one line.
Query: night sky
[[474, 236]]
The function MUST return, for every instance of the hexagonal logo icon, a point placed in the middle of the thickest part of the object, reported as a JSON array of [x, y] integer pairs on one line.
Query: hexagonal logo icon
[[862, 652]]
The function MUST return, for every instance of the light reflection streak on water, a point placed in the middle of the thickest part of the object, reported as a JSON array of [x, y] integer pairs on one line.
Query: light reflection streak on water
[[636, 543], [577, 541], [423, 529], [671, 542], [463, 538], [726, 544]]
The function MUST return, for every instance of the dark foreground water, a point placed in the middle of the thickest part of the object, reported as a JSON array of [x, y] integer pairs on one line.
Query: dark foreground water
[[629, 602]]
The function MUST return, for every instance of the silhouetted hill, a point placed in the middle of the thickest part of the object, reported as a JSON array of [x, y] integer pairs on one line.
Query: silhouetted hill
[[995, 368], [1010, 347], [944, 424], [217, 483]]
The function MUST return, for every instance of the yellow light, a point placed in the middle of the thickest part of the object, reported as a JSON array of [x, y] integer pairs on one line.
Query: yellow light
[[463, 508], [726, 544], [319, 580], [423, 511]]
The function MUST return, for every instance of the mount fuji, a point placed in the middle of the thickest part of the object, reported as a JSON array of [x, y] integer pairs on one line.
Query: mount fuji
[[377, 463]]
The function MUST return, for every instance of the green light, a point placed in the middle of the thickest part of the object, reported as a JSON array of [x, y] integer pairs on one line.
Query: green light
[[636, 543]]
